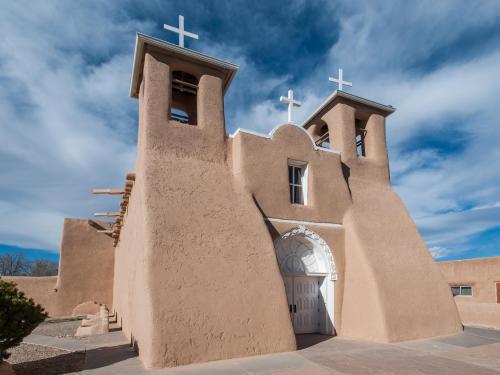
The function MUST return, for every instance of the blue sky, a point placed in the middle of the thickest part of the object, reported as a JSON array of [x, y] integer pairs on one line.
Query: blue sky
[[67, 124]]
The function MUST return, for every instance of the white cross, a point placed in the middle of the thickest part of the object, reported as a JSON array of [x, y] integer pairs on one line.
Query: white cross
[[291, 103], [340, 80], [180, 31]]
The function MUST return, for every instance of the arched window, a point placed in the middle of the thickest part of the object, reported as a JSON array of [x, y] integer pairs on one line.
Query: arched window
[[184, 91]]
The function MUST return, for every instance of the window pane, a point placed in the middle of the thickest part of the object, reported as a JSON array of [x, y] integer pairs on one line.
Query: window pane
[[290, 174], [466, 291], [291, 193], [298, 175], [455, 290], [298, 195]]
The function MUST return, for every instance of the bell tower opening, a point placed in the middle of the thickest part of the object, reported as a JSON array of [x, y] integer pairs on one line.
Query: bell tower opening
[[184, 102], [360, 137]]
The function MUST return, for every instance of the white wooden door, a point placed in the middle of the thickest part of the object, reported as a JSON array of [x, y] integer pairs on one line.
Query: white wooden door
[[303, 301], [305, 295], [289, 293]]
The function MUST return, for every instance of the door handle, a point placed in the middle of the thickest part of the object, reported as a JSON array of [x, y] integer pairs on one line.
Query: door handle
[[294, 308], [290, 308]]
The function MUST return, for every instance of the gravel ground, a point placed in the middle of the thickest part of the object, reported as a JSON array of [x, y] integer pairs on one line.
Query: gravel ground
[[36, 359], [58, 328]]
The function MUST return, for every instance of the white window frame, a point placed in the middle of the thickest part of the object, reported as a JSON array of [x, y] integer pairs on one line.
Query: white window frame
[[303, 181], [460, 289]]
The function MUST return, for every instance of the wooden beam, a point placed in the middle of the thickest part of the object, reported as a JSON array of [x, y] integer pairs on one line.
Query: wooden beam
[[108, 191], [131, 176], [107, 214], [107, 231], [323, 138]]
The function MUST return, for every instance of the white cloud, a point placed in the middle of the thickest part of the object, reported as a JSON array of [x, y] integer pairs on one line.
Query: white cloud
[[67, 124], [439, 252]]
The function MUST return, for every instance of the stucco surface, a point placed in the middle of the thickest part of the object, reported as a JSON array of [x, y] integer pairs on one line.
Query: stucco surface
[[262, 166], [482, 274], [85, 271], [131, 296], [480, 314], [41, 289]]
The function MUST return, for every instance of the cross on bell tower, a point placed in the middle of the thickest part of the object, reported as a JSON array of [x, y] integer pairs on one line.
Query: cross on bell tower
[[291, 103], [180, 30], [340, 81]]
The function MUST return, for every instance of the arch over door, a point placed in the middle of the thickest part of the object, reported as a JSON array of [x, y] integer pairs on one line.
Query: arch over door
[[301, 252]]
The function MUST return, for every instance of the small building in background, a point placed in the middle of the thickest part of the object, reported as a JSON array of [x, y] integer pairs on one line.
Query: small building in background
[[475, 284]]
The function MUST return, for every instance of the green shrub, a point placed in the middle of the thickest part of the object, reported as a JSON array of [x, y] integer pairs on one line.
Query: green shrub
[[18, 317]]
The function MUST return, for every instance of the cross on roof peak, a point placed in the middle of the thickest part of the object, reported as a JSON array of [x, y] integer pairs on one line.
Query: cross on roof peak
[[291, 103], [180, 30], [340, 81]]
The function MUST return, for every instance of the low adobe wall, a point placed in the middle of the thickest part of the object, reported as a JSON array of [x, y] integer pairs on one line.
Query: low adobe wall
[[85, 271], [479, 314], [41, 289]]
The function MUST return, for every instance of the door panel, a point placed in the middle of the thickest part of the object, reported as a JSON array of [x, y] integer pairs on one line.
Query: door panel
[[498, 292], [288, 280], [305, 298]]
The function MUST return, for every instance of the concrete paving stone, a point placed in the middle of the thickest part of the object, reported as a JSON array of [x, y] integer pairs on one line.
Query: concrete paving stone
[[309, 371], [228, 367], [466, 340], [380, 362], [271, 363], [492, 334], [485, 356], [108, 339], [427, 345]]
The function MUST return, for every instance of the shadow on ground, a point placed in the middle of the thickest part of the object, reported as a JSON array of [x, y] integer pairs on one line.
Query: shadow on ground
[[76, 361], [61, 364], [307, 340]]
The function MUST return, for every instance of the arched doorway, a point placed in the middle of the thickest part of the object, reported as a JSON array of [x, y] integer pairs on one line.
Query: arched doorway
[[308, 269]]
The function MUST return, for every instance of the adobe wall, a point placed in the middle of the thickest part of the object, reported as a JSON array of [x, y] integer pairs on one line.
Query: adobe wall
[[85, 271], [479, 314], [207, 256], [132, 286], [261, 163], [393, 290], [41, 289], [482, 274]]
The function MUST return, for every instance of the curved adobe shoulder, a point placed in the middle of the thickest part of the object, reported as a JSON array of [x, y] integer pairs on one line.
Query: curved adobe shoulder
[[285, 130]]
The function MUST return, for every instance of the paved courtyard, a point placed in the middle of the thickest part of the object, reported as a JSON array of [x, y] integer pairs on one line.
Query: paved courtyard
[[476, 351]]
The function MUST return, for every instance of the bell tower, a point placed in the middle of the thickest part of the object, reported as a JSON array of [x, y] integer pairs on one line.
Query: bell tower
[[356, 127], [181, 100]]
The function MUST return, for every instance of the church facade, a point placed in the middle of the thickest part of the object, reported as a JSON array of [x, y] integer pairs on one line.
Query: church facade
[[230, 245]]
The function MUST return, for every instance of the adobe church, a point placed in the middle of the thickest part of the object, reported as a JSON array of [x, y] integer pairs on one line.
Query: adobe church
[[229, 245]]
